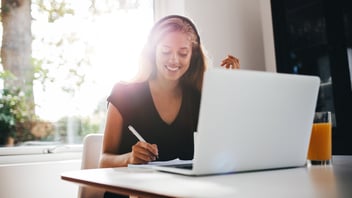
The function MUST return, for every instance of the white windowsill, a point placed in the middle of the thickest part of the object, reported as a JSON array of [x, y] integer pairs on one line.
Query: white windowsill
[[30, 154]]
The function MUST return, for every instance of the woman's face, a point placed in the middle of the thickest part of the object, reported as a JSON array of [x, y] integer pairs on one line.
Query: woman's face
[[173, 55]]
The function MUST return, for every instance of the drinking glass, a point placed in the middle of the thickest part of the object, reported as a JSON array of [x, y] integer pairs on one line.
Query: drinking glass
[[320, 146]]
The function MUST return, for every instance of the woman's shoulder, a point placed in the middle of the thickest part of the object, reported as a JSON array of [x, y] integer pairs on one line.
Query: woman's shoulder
[[127, 93], [129, 86]]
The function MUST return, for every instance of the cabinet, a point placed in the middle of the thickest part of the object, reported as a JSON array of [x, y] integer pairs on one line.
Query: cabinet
[[314, 37]]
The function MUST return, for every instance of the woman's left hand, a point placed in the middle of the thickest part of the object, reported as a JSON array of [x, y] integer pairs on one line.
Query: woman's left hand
[[230, 62]]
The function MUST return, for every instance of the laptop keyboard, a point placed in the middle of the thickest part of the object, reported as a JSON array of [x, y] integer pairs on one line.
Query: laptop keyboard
[[184, 166]]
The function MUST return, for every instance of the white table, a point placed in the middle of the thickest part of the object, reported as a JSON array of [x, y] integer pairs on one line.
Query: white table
[[313, 181]]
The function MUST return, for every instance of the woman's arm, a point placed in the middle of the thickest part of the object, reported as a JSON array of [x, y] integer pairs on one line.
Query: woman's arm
[[141, 152], [111, 141]]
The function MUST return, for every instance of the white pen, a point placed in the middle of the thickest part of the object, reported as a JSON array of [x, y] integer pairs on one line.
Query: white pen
[[139, 137], [135, 133]]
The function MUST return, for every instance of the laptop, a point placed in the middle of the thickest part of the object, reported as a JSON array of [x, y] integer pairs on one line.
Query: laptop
[[251, 120]]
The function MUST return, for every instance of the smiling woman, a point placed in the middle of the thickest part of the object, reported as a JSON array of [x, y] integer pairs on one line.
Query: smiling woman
[[78, 56]]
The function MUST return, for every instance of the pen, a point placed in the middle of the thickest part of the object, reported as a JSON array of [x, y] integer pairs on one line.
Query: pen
[[139, 137], [135, 133]]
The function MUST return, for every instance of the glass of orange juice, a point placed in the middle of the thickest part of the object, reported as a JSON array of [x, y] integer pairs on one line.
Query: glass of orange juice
[[320, 146]]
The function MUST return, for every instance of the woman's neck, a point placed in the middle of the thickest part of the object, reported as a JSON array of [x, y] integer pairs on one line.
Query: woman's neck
[[165, 87]]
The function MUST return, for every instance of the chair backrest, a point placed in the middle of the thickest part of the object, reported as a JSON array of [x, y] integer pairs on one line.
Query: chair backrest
[[92, 144]]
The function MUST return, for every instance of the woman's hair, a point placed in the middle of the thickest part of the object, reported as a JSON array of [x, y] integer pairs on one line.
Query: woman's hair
[[172, 23]]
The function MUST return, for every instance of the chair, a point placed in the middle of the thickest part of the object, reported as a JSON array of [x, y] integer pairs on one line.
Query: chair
[[92, 144]]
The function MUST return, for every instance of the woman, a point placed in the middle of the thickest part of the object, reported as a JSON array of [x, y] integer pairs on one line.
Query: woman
[[163, 104]]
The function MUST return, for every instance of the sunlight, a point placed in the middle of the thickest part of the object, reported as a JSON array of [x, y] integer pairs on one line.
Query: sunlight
[[112, 42]]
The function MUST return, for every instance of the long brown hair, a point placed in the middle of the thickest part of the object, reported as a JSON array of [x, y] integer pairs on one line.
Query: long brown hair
[[194, 75]]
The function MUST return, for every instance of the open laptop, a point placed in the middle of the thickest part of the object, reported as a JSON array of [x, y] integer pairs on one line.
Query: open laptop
[[252, 120]]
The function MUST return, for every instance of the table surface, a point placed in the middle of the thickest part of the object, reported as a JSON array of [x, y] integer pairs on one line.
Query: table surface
[[311, 181]]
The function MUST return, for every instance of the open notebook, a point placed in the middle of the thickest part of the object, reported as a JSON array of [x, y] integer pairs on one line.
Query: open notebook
[[251, 120]]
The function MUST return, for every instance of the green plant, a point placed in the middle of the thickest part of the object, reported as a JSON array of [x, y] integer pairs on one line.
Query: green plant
[[7, 118], [14, 117]]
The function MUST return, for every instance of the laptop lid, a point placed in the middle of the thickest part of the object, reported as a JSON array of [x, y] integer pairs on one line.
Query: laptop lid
[[251, 120]]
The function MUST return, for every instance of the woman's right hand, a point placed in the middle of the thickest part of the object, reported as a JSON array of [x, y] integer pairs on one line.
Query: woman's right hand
[[143, 152]]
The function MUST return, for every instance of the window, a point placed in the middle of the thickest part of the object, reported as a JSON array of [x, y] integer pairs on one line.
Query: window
[[79, 50]]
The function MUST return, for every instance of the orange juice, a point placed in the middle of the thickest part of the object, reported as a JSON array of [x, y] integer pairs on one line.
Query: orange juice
[[320, 142]]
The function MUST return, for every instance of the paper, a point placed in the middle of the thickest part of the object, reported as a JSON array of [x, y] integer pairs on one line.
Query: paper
[[173, 162]]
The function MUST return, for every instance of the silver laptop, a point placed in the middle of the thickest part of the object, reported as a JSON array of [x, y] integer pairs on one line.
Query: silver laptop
[[251, 120]]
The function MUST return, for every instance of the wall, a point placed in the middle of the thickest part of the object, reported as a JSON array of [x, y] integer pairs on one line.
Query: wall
[[239, 27], [268, 35], [38, 179]]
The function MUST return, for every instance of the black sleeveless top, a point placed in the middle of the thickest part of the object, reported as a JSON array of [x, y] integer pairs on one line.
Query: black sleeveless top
[[134, 102]]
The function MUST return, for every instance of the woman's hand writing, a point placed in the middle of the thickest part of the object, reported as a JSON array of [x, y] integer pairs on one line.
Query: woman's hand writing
[[230, 62], [143, 152]]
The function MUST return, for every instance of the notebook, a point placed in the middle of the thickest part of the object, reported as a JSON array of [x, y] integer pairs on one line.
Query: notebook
[[252, 120]]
